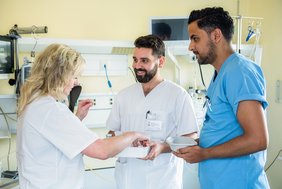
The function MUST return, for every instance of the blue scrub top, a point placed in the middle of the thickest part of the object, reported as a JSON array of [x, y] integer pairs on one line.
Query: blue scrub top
[[238, 79]]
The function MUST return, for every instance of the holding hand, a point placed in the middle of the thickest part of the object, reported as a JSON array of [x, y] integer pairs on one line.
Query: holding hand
[[139, 142], [191, 154], [156, 149]]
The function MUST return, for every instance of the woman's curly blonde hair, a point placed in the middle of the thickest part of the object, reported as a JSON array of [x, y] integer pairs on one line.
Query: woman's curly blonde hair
[[50, 73]]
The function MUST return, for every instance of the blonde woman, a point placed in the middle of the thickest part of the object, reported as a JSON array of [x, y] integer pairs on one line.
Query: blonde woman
[[51, 140]]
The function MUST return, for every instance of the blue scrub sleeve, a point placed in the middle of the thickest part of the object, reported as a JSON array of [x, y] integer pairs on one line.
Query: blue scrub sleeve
[[245, 83]]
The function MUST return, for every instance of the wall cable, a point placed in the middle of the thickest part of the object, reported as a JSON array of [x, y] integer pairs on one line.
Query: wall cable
[[270, 165], [10, 141], [132, 73], [202, 78]]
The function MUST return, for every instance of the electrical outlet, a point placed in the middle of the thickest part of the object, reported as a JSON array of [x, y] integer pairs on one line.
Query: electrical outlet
[[99, 112]]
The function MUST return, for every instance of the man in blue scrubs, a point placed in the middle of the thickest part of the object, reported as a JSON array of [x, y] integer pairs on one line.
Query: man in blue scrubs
[[234, 137]]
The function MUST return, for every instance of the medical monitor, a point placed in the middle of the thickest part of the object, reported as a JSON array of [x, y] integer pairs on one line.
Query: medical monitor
[[6, 55], [25, 72], [169, 28]]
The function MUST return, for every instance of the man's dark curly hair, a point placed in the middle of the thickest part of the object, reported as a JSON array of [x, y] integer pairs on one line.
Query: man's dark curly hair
[[211, 18], [152, 42]]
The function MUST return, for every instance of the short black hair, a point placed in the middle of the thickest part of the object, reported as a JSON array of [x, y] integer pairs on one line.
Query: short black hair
[[152, 42], [211, 18]]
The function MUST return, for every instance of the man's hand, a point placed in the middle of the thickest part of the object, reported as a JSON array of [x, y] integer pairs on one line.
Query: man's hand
[[191, 154], [156, 149]]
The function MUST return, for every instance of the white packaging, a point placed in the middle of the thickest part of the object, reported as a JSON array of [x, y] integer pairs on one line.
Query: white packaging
[[134, 152]]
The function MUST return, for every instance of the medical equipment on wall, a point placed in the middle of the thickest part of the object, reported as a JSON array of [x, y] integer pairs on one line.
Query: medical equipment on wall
[[16, 31], [28, 30], [6, 54], [22, 74], [253, 31], [25, 69], [33, 30]]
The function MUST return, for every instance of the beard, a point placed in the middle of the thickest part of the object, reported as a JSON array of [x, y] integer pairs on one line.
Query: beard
[[210, 57], [148, 74]]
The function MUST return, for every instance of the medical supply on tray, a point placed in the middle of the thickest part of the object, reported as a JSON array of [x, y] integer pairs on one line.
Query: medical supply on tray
[[178, 142]]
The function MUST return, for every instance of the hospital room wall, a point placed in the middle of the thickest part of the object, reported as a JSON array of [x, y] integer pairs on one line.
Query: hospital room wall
[[97, 20], [272, 67], [128, 19]]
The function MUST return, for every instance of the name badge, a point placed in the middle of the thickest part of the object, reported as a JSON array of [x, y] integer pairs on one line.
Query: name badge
[[153, 125]]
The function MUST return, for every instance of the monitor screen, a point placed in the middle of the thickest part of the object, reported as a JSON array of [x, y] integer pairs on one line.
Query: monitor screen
[[6, 55], [170, 28]]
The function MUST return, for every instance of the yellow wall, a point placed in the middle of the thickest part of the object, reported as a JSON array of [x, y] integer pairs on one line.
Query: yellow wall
[[272, 40], [128, 19], [96, 20]]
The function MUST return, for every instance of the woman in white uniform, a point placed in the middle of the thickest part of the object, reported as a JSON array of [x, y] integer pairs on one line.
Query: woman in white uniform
[[51, 140], [158, 108]]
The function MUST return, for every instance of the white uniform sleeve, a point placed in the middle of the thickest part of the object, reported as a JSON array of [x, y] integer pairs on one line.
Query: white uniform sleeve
[[65, 131], [185, 115]]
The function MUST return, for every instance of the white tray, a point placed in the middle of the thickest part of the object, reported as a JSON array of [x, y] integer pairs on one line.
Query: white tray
[[134, 152]]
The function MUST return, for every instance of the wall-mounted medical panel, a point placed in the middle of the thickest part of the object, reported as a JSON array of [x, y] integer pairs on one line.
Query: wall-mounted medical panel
[[97, 64], [99, 112], [27, 44]]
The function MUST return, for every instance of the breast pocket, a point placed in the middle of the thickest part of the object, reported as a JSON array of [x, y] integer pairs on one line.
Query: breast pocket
[[158, 124]]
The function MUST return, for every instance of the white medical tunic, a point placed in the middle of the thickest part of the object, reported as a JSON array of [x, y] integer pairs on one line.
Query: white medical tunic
[[50, 139], [166, 111]]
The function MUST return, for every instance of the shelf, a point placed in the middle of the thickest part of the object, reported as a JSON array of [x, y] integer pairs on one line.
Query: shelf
[[26, 44]]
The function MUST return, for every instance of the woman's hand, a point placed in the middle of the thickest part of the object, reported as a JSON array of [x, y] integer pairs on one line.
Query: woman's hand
[[83, 108]]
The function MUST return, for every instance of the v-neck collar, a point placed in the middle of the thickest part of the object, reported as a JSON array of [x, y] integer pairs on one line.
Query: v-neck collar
[[218, 75], [153, 90]]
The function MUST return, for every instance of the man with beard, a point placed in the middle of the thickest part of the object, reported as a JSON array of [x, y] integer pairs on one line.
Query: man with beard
[[234, 136], [158, 108]]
